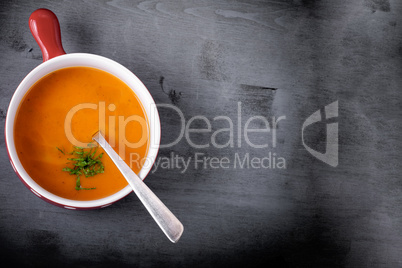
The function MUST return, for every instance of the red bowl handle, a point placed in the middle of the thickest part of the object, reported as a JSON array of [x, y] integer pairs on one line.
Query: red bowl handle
[[45, 28]]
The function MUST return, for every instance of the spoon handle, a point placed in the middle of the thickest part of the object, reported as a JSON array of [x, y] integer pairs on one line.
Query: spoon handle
[[169, 224]]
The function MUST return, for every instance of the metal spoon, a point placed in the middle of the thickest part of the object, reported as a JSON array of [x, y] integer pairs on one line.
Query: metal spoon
[[169, 224]]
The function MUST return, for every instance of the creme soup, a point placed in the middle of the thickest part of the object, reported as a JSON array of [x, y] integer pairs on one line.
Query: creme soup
[[91, 99]]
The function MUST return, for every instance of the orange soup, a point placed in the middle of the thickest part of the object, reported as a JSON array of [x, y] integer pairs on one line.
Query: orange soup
[[70, 105]]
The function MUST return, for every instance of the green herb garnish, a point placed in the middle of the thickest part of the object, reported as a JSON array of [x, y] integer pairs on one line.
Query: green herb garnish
[[62, 151], [86, 163]]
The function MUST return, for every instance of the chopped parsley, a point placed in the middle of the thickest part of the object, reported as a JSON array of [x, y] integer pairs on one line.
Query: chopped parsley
[[84, 163]]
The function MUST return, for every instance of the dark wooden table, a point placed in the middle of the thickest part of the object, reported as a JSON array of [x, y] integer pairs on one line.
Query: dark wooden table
[[221, 61]]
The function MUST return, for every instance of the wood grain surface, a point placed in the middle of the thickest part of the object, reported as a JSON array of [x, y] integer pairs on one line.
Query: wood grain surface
[[233, 59]]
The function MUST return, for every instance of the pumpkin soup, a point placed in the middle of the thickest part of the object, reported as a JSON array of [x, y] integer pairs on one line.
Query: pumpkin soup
[[67, 107]]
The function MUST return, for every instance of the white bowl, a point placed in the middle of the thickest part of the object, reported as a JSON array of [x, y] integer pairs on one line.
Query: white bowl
[[86, 60]]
